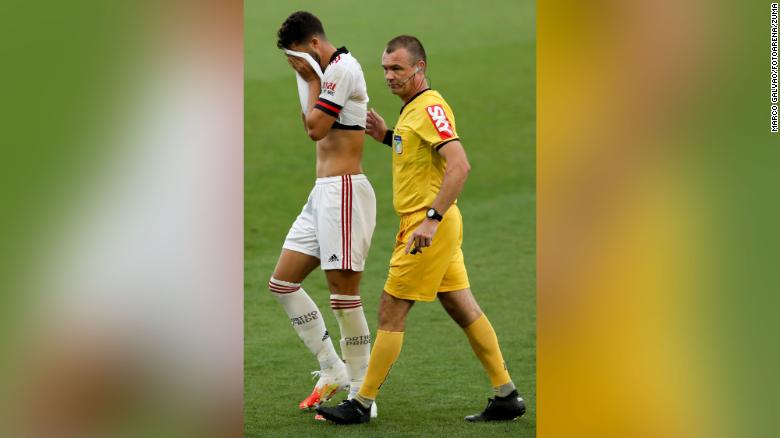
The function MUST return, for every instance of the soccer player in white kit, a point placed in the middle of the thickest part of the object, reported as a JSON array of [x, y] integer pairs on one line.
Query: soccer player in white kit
[[335, 226]]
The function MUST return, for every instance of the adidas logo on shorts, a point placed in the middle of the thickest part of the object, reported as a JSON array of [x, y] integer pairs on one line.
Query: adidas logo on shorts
[[333, 258]]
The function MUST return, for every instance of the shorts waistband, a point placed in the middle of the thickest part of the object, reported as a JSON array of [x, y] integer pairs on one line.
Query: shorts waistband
[[339, 178]]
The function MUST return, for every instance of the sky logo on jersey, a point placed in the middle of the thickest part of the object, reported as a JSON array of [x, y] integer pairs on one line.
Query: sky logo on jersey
[[440, 121]]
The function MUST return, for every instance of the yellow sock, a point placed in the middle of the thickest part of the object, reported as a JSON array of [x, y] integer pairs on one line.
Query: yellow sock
[[387, 347], [484, 342]]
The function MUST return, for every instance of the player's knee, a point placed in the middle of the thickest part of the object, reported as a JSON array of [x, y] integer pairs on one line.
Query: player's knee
[[345, 282]]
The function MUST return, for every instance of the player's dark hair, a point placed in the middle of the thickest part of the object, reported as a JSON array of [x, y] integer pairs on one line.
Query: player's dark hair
[[411, 44], [298, 28]]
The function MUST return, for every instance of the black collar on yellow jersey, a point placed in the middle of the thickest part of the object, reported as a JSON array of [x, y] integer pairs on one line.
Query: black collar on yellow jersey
[[413, 97]]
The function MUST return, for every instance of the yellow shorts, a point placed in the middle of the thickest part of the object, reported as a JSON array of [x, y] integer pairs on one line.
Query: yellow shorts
[[439, 268]]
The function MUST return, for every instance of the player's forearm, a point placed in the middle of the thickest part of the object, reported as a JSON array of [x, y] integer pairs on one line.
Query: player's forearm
[[314, 94], [454, 179], [317, 123]]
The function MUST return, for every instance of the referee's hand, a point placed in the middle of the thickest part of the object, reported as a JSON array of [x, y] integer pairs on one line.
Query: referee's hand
[[422, 237], [375, 125]]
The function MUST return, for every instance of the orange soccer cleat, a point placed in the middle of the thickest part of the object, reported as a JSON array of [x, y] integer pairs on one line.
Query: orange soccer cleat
[[327, 386]]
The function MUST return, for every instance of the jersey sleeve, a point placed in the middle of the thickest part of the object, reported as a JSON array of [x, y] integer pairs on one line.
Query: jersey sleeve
[[437, 124], [337, 84]]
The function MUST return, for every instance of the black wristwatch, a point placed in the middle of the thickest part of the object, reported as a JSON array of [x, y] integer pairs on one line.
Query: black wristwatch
[[433, 214]]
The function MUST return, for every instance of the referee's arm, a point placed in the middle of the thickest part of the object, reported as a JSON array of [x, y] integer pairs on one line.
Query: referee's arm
[[455, 175]]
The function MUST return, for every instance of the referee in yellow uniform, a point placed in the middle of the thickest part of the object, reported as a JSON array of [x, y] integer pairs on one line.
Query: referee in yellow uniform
[[430, 168]]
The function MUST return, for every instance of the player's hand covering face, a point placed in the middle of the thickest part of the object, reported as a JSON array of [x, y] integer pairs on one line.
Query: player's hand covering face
[[303, 68]]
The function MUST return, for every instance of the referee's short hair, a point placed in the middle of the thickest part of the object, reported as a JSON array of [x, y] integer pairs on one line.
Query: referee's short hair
[[411, 44], [298, 28]]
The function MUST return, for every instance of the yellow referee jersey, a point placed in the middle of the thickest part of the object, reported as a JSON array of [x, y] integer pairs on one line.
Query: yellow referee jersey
[[425, 125]]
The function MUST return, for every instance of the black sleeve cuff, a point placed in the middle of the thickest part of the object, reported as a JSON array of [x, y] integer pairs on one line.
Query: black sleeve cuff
[[326, 110], [388, 138]]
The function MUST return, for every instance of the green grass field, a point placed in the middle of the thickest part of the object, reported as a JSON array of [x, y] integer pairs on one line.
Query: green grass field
[[481, 57]]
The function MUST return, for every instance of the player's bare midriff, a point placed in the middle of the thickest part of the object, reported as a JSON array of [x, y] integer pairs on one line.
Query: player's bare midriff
[[340, 153]]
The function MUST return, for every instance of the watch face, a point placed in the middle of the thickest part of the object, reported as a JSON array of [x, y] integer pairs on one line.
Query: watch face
[[431, 213]]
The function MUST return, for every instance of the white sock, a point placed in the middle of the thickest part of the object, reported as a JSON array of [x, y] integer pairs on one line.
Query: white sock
[[307, 320], [505, 389], [355, 337]]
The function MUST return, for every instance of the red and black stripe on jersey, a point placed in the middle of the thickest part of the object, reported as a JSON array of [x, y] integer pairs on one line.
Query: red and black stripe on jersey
[[328, 107]]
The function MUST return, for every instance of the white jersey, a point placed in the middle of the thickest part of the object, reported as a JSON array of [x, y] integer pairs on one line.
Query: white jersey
[[344, 95]]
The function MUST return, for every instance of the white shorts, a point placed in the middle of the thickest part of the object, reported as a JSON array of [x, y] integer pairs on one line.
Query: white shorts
[[337, 223]]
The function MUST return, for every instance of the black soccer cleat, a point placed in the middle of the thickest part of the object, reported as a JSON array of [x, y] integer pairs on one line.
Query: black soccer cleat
[[347, 412], [501, 409]]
